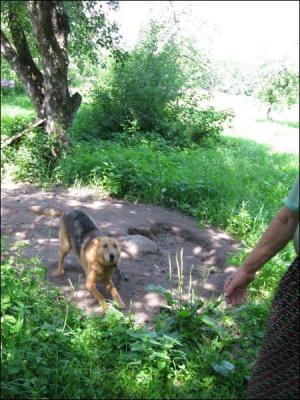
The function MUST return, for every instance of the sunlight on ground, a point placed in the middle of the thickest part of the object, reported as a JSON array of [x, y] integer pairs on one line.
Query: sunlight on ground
[[11, 111], [283, 139]]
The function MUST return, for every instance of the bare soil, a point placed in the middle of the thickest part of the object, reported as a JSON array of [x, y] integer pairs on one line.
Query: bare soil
[[172, 231]]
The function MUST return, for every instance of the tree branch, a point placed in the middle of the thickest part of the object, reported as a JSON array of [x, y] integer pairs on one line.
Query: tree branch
[[32, 125], [29, 75], [201, 66]]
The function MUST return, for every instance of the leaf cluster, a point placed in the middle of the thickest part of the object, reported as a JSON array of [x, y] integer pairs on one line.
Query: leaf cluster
[[279, 84], [90, 28]]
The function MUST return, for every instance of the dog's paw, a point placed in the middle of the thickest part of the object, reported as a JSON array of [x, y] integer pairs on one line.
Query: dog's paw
[[122, 305], [60, 272], [103, 308]]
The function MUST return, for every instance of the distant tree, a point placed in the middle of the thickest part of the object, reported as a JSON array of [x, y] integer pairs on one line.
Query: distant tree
[[279, 85], [235, 77], [36, 39]]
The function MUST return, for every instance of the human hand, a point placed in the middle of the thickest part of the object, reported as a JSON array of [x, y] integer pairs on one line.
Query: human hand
[[235, 288]]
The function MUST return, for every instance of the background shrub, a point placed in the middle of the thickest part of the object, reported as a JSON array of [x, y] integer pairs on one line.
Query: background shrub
[[153, 92]]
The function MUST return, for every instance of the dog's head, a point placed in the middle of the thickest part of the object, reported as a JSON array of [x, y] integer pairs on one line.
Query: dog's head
[[108, 251]]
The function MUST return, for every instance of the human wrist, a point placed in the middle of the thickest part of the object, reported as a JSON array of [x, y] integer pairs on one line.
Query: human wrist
[[250, 268]]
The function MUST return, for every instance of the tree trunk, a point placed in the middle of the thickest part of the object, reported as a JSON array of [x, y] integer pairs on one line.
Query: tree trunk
[[47, 90], [269, 113]]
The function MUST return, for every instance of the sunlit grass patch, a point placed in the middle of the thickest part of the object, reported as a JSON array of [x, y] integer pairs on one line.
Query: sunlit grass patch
[[291, 124], [13, 106]]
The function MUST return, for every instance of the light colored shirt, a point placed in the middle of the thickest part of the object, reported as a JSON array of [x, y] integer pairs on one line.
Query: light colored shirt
[[292, 202]]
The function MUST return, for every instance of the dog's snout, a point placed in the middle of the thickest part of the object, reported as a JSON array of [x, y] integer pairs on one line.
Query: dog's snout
[[111, 257]]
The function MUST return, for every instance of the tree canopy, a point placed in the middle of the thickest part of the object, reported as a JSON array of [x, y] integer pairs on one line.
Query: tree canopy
[[279, 85], [37, 38]]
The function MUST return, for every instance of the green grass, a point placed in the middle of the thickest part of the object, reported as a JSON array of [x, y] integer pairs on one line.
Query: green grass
[[192, 180], [51, 350], [291, 124], [14, 105]]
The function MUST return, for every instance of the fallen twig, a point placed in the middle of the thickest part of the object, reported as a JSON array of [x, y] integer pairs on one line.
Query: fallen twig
[[32, 124]]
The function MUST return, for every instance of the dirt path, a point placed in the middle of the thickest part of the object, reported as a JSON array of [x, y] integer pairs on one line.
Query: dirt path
[[170, 230]]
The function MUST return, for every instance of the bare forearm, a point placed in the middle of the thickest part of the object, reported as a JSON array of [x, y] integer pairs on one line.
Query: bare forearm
[[275, 238]]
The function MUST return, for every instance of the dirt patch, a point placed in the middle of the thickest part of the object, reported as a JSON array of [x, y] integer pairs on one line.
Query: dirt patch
[[171, 231]]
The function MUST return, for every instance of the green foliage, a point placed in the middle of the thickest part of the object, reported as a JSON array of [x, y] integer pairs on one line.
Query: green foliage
[[197, 125], [13, 106], [141, 167], [138, 93], [90, 29], [28, 158], [50, 349], [36, 326], [31, 154], [186, 311], [279, 85]]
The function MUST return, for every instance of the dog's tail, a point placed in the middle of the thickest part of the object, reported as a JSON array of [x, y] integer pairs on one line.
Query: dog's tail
[[48, 212]]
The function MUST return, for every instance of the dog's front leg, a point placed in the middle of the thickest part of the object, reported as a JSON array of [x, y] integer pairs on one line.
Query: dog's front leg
[[91, 287], [115, 295]]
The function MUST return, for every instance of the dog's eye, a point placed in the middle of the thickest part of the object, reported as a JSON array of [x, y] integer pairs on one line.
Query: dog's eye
[[105, 246], [115, 246]]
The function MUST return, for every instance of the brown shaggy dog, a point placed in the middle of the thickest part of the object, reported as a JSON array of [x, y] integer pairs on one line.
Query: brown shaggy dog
[[98, 255]]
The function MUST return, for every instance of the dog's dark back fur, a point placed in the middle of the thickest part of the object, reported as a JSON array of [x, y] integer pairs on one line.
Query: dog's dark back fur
[[80, 224]]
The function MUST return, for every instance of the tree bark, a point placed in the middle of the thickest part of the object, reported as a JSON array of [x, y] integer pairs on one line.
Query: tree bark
[[48, 90], [269, 113]]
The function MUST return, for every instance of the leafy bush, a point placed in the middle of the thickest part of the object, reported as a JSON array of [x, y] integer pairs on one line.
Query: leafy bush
[[138, 93], [153, 93], [190, 123]]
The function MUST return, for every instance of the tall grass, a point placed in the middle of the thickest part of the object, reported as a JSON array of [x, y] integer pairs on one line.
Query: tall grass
[[212, 184]]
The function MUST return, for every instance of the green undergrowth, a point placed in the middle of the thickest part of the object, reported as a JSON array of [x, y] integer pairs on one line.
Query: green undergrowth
[[50, 349]]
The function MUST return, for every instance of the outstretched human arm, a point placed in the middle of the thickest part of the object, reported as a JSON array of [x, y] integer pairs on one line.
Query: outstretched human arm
[[275, 238]]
